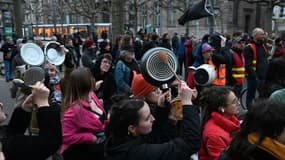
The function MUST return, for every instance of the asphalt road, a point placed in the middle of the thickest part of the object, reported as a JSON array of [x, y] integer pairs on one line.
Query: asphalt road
[[5, 98]]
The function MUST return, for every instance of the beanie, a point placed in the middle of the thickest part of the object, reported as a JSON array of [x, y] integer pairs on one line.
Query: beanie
[[140, 86], [88, 43]]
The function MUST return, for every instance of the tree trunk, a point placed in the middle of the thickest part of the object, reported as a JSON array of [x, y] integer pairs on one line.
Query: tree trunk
[[18, 12], [92, 26], [136, 16], [117, 18]]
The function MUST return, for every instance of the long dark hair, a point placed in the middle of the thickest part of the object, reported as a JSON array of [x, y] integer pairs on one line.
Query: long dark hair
[[211, 99], [123, 114], [266, 119]]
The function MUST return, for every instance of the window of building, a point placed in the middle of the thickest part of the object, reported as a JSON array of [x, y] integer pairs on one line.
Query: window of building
[[106, 17], [144, 15], [171, 14], [156, 16]]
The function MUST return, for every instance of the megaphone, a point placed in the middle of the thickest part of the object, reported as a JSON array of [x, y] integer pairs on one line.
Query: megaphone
[[204, 74]]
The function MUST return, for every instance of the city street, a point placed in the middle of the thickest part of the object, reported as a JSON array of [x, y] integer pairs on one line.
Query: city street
[[5, 98]]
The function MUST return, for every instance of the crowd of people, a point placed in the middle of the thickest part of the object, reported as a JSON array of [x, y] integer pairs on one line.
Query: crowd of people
[[98, 104]]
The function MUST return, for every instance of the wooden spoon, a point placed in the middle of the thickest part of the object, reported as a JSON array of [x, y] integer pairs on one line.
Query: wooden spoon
[[162, 56]]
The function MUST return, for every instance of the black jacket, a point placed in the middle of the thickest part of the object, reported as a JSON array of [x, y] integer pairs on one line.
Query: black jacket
[[146, 148], [19, 146], [261, 62], [8, 51]]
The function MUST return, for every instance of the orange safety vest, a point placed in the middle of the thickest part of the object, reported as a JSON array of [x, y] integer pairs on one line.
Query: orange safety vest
[[220, 74], [238, 69], [253, 46]]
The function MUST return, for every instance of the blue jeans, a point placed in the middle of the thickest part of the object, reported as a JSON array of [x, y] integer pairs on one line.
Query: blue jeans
[[8, 70], [252, 86]]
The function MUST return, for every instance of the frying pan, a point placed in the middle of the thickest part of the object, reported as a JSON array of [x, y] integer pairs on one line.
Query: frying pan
[[156, 72]]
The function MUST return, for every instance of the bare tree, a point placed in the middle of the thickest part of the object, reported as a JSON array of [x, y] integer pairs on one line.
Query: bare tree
[[118, 15], [18, 13], [35, 9], [179, 5], [61, 12], [87, 8]]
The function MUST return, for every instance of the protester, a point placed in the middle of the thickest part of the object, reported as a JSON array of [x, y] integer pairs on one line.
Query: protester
[[116, 50], [235, 72], [165, 41], [103, 74], [53, 83], [89, 56], [278, 95], [203, 57], [255, 55], [131, 122], [274, 78], [70, 57], [219, 106], [124, 71], [8, 49], [77, 42], [279, 50], [262, 135], [18, 145], [164, 127], [83, 121]]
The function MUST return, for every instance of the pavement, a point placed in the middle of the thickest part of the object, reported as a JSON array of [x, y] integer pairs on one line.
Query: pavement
[[6, 99]]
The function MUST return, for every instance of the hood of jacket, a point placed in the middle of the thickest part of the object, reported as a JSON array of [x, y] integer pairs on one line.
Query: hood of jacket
[[119, 151]]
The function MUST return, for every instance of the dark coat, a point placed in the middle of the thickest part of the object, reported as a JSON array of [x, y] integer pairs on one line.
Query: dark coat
[[19, 146], [108, 87], [146, 148], [8, 51], [261, 62]]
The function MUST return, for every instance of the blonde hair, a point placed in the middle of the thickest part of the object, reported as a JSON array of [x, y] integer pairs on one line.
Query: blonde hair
[[49, 65]]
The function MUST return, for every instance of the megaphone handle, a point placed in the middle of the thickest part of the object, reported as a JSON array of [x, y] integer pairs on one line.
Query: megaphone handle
[[164, 88]]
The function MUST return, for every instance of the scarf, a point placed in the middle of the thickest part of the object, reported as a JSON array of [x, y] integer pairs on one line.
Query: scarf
[[230, 125], [271, 146]]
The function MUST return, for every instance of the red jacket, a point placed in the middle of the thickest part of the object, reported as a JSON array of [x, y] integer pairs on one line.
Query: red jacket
[[188, 59], [216, 136]]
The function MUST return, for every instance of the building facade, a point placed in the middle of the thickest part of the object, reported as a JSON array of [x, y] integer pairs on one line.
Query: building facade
[[6, 18], [45, 17], [230, 16]]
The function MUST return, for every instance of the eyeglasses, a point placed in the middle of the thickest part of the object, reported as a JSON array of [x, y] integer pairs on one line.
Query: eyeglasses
[[235, 102]]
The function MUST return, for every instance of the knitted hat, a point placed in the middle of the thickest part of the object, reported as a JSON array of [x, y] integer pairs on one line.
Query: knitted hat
[[88, 43], [206, 47], [140, 86]]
